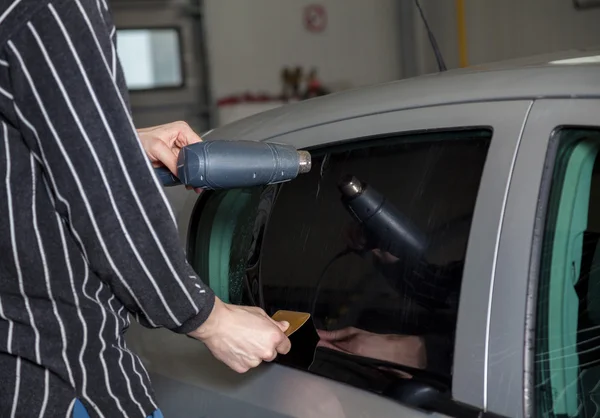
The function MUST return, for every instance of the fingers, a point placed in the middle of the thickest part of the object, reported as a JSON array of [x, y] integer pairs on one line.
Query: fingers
[[354, 236], [246, 366], [196, 189], [282, 325], [285, 346], [245, 337], [270, 356], [336, 335], [327, 344], [186, 135], [161, 152]]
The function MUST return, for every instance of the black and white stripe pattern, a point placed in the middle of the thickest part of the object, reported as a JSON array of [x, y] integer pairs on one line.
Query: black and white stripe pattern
[[86, 234]]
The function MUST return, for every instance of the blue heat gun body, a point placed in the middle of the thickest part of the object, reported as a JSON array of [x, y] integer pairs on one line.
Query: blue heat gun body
[[224, 164]]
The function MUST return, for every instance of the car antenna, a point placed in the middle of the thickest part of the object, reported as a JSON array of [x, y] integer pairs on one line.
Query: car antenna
[[436, 50]]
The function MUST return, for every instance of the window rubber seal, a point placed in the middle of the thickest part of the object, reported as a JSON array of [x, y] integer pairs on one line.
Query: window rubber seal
[[533, 279]]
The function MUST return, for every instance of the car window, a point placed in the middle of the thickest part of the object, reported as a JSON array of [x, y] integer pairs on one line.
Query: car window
[[380, 271], [150, 58], [567, 353]]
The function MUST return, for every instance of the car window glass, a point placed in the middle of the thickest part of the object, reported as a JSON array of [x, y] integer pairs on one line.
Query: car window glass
[[567, 353], [150, 57], [221, 241], [429, 181], [384, 291]]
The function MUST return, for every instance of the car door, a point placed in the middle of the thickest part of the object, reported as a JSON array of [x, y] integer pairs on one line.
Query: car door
[[447, 169], [543, 333]]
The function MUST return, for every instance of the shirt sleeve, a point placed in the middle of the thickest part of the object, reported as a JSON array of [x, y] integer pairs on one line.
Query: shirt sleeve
[[72, 107]]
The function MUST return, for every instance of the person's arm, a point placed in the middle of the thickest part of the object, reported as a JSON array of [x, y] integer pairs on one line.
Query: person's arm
[[77, 123]]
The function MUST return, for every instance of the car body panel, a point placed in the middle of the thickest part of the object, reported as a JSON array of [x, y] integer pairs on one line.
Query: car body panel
[[507, 119], [509, 346], [162, 351], [460, 86], [190, 382]]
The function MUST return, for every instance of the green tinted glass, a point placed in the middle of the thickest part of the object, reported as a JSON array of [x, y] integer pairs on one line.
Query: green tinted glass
[[222, 238], [566, 382]]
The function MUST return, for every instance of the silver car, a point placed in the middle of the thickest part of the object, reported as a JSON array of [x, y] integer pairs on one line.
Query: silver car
[[498, 168]]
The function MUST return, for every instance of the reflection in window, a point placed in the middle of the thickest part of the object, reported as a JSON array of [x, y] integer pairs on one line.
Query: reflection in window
[[151, 58], [367, 282], [567, 355], [378, 300]]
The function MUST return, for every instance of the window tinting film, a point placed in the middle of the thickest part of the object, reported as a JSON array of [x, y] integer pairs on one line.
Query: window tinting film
[[431, 179]]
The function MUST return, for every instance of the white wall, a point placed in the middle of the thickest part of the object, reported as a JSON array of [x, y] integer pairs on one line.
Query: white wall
[[249, 41], [504, 29]]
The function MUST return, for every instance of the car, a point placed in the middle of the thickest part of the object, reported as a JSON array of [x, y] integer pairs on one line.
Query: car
[[497, 167]]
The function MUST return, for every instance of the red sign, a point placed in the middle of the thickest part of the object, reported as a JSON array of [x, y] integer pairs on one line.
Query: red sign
[[315, 18]]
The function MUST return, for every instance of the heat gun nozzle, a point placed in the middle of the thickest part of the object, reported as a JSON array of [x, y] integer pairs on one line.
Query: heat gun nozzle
[[350, 186], [304, 162]]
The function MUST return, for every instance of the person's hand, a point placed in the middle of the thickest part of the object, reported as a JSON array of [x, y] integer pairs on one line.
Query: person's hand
[[162, 144], [408, 350], [355, 238], [242, 337], [384, 256]]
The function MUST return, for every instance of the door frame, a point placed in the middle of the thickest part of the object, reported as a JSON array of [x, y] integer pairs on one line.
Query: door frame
[[509, 389]]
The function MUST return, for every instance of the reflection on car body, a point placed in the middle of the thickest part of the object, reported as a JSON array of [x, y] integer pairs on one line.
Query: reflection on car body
[[498, 316]]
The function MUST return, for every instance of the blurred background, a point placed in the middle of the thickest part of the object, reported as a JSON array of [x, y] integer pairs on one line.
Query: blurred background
[[214, 61]]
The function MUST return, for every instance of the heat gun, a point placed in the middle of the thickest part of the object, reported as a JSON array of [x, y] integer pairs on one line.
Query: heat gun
[[386, 228], [228, 164]]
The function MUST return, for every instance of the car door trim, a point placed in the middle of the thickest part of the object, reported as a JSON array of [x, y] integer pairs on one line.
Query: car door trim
[[495, 262]]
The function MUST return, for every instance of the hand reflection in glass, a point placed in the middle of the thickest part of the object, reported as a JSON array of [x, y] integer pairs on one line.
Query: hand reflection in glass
[[408, 350]]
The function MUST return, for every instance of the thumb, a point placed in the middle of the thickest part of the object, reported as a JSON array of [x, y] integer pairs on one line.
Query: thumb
[[283, 325], [162, 153]]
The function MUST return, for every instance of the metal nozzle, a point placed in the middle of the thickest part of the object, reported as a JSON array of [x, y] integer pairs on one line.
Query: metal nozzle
[[305, 162], [350, 186]]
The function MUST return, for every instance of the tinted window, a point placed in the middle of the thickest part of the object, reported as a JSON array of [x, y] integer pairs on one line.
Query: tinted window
[[567, 354], [382, 293]]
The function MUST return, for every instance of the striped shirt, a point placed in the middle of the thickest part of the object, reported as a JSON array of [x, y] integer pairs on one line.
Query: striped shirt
[[87, 236]]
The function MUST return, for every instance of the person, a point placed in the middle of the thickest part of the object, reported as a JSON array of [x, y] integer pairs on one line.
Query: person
[[434, 287], [88, 238]]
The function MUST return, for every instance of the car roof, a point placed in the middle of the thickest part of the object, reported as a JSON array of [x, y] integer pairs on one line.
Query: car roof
[[570, 74]]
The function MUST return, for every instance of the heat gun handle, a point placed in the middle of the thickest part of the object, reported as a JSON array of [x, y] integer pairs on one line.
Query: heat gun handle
[[166, 177]]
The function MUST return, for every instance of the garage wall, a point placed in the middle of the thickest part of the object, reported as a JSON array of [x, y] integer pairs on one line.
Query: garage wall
[[249, 41], [504, 29]]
